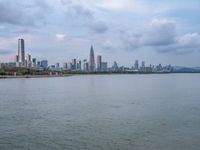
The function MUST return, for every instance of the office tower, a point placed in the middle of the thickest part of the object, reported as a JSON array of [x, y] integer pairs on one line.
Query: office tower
[[143, 64], [104, 66], [91, 60], [79, 65], [65, 66], [99, 63], [69, 66], [28, 57], [57, 66], [16, 59], [74, 67], [21, 52], [44, 64], [85, 65], [115, 66], [28, 60], [38, 64], [34, 62], [136, 65]]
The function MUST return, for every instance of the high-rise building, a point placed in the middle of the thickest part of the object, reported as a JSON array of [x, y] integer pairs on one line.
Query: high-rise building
[[115, 66], [85, 65], [34, 60], [99, 61], [74, 65], [91, 60], [143, 64], [104, 66], [44, 64], [65, 67], [57, 66], [136, 65], [28, 60], [16, 59], [21, 52], [79, 65]]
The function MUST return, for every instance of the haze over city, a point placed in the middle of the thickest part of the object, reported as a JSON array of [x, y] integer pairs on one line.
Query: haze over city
[[164, 32]]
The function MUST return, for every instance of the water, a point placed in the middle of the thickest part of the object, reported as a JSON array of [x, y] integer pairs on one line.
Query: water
[[102, 112]]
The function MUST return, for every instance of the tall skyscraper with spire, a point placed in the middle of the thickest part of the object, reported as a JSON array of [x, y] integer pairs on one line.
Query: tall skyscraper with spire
[[21, 52], [91, 60]]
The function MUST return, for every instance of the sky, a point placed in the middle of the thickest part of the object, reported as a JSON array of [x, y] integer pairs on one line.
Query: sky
[[156, 31]]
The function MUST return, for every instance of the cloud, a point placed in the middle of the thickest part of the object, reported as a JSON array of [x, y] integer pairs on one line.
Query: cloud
[[99, 27], [26, 14], [5, 52], [161, 36], [60, 36], [83, 16], [160, 32]]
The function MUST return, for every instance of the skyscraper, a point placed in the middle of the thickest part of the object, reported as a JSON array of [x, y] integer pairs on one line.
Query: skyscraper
[[104, 66], [34, 60], [136, 65], [85, 65], [79, 65], [28, 60], [115, 66], [143, 64], [99, 63], [21, 52], [91, 60], [74, 64]]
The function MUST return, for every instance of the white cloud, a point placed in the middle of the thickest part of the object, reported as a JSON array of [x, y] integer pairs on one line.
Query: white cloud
[[60, 36]]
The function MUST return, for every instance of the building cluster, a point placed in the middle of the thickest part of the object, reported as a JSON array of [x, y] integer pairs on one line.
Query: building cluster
[[25, 61], [80, 66], [87, 65]]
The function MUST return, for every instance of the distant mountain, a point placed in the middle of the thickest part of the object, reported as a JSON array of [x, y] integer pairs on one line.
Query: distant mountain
[[180, 69]]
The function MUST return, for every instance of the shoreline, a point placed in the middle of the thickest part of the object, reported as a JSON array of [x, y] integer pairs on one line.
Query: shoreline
[[75, 74], [33, 76]]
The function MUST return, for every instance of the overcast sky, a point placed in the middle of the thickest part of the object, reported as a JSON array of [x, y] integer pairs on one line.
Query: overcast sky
[[157, 31]]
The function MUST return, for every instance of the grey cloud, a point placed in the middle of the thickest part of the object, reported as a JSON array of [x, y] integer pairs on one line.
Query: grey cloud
[[16, 13], [160, 32], [5, 52], [82, 11], [162, 37], [183, 44], [99, 27], [84, 16]]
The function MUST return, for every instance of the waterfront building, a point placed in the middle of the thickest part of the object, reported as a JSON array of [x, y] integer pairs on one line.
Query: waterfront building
[[16, 59], [44, 64], [104, 66], [74, 65], [143, 64], [58, 66], [85, 65], [136, 65], [79, 66], [21, 52], [69, 66], [38, 64], [34, 62], [99, 61], [115, 66], [91, 60], [65, 66], [28, 60]]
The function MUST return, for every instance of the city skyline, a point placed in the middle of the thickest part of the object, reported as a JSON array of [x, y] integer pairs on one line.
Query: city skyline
[[77, 65], [123, 30]]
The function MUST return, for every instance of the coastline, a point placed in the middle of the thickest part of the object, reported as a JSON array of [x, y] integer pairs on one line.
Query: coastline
[[75, 74], [34, 76]]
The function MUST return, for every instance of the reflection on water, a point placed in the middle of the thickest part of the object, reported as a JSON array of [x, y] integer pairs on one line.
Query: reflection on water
[[107, 112]]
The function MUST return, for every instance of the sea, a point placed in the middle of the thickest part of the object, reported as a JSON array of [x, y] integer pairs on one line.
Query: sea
[[101, 112]]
